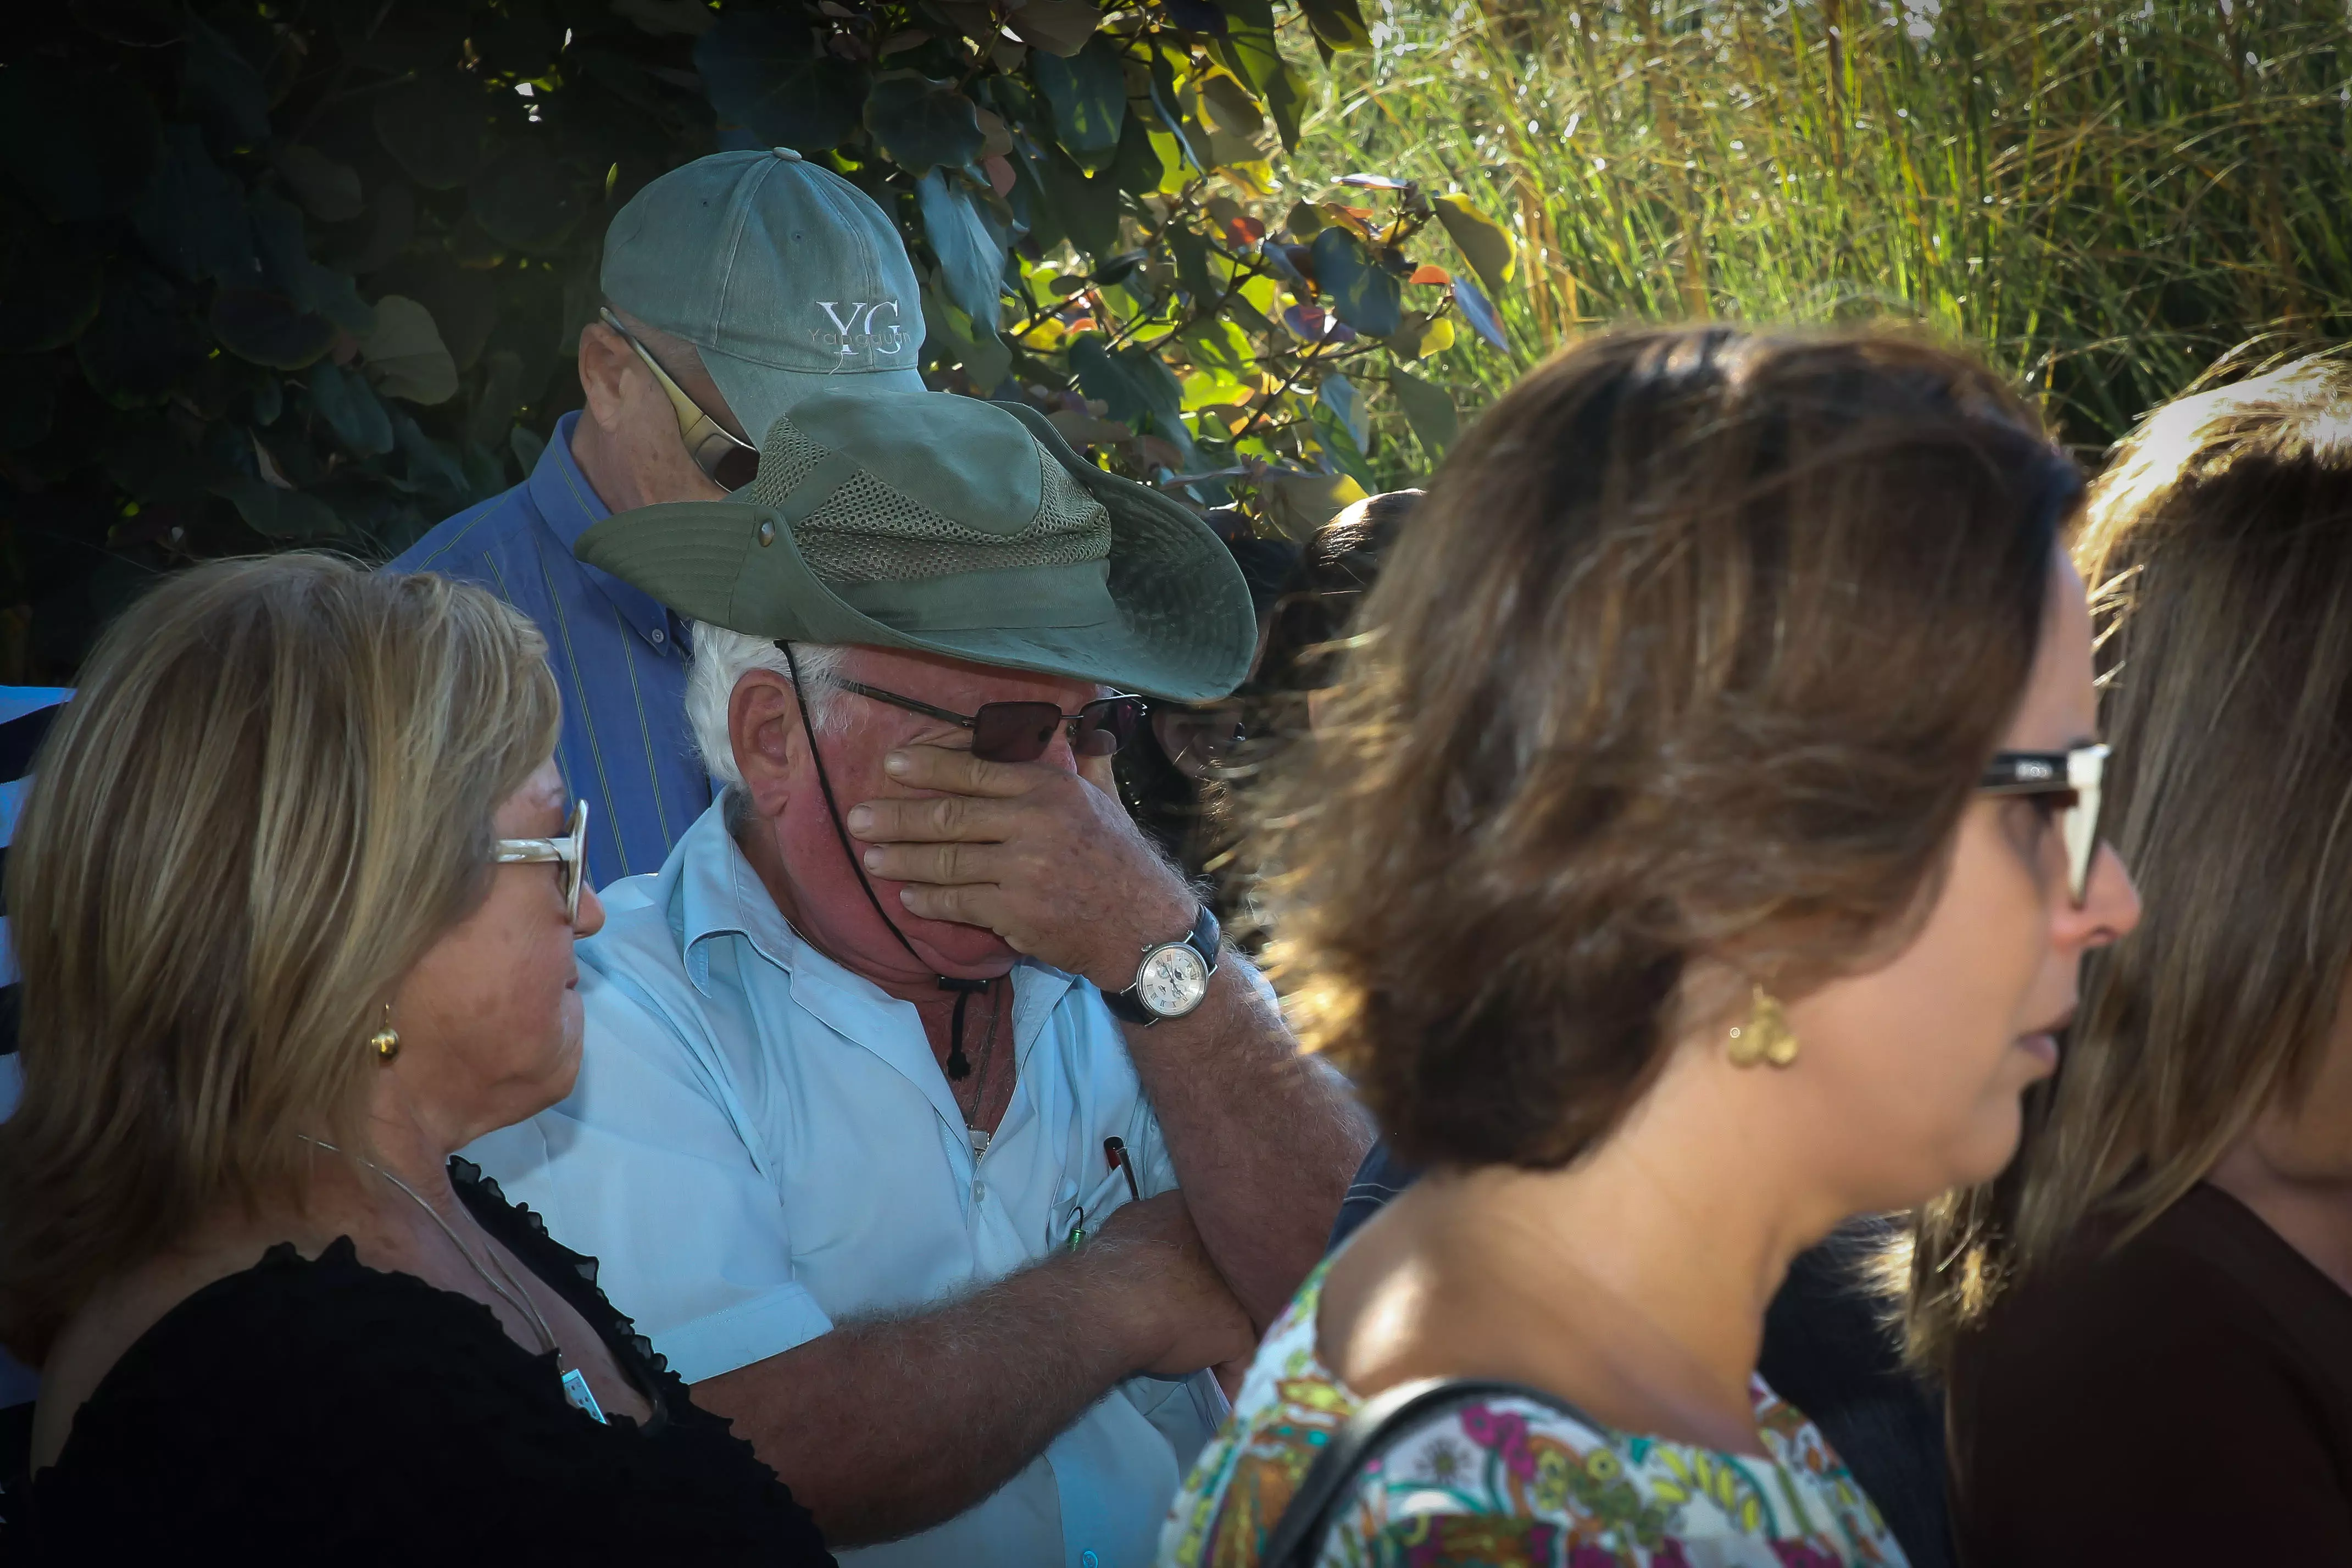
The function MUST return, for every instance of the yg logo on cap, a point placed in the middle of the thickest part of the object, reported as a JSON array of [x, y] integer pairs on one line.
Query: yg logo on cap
[[863, 335]]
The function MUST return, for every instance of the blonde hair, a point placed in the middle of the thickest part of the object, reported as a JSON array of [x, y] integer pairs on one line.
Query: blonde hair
[[273, 792], [2218, 548]]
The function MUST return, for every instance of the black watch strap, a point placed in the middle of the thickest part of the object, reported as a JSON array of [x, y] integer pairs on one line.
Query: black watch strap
[[1203, 939]]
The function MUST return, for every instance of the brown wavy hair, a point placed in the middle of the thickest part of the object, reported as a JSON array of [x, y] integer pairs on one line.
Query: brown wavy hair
[[1696, 648], [2218, 544], [272, 793]]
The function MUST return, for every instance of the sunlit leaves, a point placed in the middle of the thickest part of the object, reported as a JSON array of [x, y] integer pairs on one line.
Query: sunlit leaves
[[971, 242], [1428, 409], [1088, 92], [1363, 294], [1484, 243]]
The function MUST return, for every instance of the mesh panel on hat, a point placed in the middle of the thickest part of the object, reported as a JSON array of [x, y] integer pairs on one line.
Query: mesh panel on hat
[[867, 531]]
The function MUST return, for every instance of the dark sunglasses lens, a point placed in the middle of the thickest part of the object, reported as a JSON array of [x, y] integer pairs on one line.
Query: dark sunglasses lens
[[1106, 725], [736, 467], [1013, 732]]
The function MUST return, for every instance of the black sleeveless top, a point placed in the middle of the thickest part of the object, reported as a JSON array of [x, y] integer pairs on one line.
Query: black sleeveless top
[[325, 1409]]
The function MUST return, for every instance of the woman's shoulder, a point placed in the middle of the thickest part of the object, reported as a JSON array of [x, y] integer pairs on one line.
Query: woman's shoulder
[[1515, 1478]]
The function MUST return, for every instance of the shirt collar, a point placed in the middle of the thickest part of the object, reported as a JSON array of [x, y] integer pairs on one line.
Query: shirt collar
[[570, 506]]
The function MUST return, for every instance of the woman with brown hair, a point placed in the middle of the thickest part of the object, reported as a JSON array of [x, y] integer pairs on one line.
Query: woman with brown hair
[[2147, 1320], [1700, 851], [294, 897]]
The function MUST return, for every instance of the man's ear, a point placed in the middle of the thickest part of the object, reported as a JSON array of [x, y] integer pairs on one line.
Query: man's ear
[[605, 356], [764, 726]]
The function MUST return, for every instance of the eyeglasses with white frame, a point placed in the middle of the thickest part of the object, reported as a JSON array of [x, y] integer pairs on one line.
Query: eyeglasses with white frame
[[571, 851]]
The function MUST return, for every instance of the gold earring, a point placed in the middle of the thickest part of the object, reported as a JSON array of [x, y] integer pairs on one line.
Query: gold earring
[[1766, 1035], [385, 1040]]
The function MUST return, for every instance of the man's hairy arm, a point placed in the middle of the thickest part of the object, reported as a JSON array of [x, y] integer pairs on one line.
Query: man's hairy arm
[[887, 1426], [1265, 1139]]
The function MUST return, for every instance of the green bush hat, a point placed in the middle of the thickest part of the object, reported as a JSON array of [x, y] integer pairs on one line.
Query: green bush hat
[[786, 276], [945, 524]]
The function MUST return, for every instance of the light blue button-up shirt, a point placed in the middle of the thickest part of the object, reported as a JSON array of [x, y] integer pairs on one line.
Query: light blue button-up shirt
[[616, 654], [762, 1144]]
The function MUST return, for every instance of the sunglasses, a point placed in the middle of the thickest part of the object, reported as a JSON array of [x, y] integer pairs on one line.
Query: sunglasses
[[2074, 776], [731, 464], [1020, 732], [1200, 741], [570, 852]]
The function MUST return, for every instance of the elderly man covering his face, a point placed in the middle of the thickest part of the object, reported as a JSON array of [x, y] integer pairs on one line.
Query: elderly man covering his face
[[924, 1124]]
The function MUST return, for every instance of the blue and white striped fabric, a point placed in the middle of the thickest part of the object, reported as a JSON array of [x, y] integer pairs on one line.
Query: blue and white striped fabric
[[25, 713]]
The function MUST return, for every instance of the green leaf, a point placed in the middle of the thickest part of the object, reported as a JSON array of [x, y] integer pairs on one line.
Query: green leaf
[[1220, 345], [432, 128], [134, 24], [1363, 294], [1429, 409], [140, 345], [983, 355], [431, 468], [82, 145], [1104, 380], [1482, 242], [27, 403], [224, 91], [265, 327], [524, 198], [1057, 26], [1339, 394], [1138, 166], [1088, 93], [349, 406], [407, 348], [1336, 24], [762, 72], [970, 243], [1088, 209], [330, 190], [286, 263], [279, 514], [921, 124], [1190, 251], [193, 217], [49, 282]]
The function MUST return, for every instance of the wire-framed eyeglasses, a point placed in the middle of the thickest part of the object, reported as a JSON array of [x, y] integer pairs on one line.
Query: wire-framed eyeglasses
[[731, 463], [570, 852], [2071, 778], [1020, 732]]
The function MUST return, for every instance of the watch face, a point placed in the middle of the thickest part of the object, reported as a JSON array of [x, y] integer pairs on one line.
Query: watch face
[[1172, 980]]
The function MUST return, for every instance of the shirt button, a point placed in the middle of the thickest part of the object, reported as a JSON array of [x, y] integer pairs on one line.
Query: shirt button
[[1088, 1559], [979, 1191], [658, 636]]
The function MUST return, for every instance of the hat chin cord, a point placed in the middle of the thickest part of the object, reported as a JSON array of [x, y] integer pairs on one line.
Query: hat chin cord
[[959, 1065]]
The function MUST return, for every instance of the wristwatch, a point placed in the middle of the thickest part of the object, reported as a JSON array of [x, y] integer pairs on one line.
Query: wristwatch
[[1174, 977]]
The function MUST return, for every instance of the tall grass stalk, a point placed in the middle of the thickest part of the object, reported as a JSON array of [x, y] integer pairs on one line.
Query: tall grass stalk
[[2103, 197]]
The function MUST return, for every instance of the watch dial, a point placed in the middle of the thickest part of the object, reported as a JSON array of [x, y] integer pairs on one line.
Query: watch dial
[[1172, 982]]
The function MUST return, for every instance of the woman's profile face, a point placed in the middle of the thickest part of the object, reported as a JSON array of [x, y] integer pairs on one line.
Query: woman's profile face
[[1921, 1062], [489, 1018]]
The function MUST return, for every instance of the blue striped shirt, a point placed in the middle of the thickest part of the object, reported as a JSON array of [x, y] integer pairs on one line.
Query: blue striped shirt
[[619, 657]]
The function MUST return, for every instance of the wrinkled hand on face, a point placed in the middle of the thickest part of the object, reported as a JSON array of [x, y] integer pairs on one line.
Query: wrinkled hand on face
[[1044, 857]]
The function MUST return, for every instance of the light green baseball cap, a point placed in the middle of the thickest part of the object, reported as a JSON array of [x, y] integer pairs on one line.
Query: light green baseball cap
[[945, 524], [787, 279]]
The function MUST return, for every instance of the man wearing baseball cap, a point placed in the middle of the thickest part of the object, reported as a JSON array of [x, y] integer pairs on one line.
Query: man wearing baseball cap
[[924, 1122], [734, 286]]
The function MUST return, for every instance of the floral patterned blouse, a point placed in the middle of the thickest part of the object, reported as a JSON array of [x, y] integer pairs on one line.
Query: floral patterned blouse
[[1512, 1483]]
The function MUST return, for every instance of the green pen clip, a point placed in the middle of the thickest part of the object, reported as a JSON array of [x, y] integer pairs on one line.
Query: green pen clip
[[1077, 1230]]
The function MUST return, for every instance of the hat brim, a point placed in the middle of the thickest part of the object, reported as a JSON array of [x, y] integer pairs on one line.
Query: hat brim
[[1180, 627]]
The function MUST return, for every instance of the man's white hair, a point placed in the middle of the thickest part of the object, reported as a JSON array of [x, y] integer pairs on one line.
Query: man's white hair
[[721, 659]]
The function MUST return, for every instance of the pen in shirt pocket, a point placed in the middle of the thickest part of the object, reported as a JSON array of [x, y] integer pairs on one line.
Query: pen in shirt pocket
[[1115, 1151]]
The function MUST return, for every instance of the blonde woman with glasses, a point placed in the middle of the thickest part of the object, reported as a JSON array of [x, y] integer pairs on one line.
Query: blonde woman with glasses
[[2146, 1322], [295, 896]]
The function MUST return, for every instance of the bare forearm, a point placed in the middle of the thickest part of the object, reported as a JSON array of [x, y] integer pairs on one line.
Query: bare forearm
[[1263, 1138], [889, 1425]]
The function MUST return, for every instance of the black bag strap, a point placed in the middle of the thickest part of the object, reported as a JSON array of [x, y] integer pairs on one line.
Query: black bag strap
[[1297, 1538]]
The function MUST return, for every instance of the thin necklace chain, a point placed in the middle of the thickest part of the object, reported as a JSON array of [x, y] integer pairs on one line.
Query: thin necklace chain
[[987, 1059], [518, 1297]]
